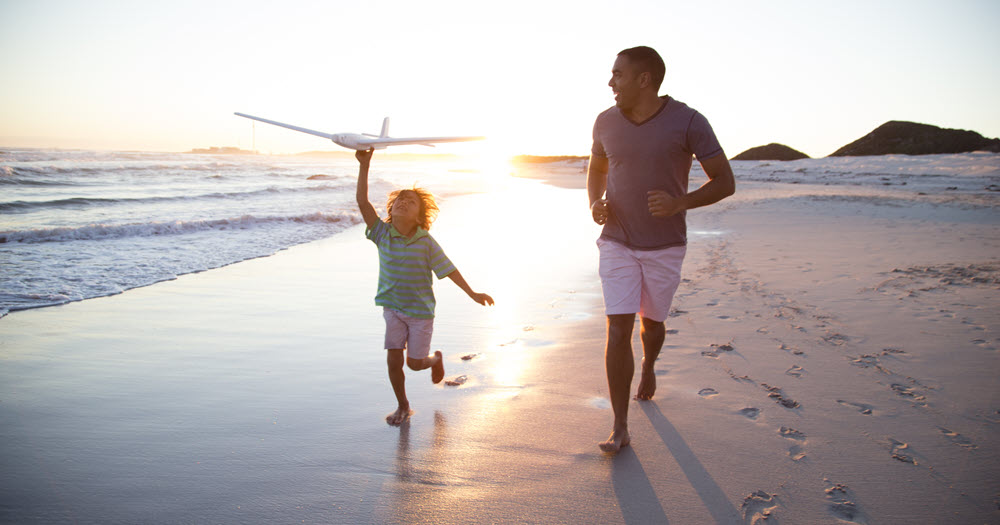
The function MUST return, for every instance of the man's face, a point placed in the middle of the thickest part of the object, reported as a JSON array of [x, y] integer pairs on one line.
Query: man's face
[[624, 83]]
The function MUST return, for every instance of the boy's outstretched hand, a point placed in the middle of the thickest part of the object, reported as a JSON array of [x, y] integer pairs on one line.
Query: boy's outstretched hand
[[482, 299]]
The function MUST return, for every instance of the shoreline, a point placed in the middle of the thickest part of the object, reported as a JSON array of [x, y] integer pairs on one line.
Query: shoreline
[[804, 378]]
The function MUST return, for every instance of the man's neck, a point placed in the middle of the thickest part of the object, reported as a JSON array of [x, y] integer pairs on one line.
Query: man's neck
[[647, 107]]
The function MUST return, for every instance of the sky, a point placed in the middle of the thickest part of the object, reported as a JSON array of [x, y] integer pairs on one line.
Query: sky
[[529, 75]]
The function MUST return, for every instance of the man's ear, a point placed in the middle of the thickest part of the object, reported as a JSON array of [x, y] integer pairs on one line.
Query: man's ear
[[645, 79]]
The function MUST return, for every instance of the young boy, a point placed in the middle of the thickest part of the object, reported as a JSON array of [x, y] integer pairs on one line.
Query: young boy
[[407, 255]]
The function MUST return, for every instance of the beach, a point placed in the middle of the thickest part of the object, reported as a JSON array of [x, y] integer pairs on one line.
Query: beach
[[832, 357]]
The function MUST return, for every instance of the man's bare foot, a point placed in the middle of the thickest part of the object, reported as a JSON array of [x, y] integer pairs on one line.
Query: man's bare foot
[[437, 369], [399, 416], [647, 385], [617, 440]]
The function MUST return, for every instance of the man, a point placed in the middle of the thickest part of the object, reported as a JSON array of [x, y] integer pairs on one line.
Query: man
[[641, 157]]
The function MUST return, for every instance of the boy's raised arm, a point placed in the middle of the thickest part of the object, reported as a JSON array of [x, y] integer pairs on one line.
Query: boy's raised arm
[[367, 210]]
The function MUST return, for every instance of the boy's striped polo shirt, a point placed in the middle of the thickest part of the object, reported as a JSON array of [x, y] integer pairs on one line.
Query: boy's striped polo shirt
[[404, 269]]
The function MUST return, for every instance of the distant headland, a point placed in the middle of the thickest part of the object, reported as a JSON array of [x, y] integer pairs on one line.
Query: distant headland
[[772, 151], [895, 137]]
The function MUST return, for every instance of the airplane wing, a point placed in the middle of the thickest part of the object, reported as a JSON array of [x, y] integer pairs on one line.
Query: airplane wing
[[327, 136], [402, 141]]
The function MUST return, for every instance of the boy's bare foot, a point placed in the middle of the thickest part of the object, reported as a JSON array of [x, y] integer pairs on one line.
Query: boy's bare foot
[[647, 385], [399, 416], [617, 440], [437, 369]]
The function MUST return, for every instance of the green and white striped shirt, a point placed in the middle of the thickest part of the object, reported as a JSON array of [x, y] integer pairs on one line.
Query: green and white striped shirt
[[404, 269]]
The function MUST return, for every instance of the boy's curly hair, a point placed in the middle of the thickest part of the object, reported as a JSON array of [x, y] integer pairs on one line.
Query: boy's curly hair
[[428, 206]]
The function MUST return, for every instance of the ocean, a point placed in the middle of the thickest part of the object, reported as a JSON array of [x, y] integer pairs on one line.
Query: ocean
[[76, 225], [81, 224]]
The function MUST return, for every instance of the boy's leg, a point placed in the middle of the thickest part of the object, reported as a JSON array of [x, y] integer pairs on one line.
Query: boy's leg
[[418, 347], [394, 359], [435, 363]]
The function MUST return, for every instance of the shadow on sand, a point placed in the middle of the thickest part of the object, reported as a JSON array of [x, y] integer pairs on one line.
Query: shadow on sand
[[708, 490], [636, 496]]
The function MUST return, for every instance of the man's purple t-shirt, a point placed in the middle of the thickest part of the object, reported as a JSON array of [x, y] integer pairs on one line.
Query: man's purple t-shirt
[[651, 155]]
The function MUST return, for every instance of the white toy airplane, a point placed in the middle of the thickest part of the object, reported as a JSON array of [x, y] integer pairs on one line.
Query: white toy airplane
[[366, 141]]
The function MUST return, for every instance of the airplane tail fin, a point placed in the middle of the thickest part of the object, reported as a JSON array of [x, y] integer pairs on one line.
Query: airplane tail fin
[[385, 128]]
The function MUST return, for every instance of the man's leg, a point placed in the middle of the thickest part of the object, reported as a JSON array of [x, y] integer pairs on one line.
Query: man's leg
[[652, 333], [618, 360], [394, 359]]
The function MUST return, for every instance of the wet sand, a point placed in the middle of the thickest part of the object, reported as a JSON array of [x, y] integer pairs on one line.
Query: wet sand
[[832, 358]]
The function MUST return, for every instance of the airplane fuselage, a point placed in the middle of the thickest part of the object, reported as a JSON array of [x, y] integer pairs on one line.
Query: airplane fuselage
[[353, 141]]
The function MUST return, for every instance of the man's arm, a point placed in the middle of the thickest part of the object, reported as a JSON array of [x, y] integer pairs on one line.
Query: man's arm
[[597, 184], [480, 298], [720, 185], [367, 210]]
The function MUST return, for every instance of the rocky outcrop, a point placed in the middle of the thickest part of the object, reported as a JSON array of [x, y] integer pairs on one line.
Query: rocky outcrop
[[911, 138], [772, 151]]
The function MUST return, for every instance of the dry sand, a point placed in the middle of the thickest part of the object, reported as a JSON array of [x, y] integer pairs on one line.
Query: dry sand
[[832, 359]]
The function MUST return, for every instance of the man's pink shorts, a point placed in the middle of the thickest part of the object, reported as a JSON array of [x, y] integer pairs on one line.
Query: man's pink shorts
[[638, 281], [411, 333]]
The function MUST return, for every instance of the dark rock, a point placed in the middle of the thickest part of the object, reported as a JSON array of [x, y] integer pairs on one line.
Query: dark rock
[[772, 151], [911, 138]]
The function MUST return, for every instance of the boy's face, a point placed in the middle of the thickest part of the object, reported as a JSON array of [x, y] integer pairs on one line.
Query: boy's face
[[406, 206]]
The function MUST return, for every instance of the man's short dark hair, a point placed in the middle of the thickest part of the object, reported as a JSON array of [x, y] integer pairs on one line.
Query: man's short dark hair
[[646, 60]]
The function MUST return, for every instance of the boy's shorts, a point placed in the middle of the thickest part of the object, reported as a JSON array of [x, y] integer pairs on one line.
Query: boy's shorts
[[411, 333], [639, 281]]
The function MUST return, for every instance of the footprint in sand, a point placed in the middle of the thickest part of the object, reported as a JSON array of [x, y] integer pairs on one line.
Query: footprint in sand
[[796, 451], [841, 506], [469, 357], [457, 381], [862, 407], [836, 339], [958, 439], [905, 391], [758, 507], [791, 349], [865, 361], [778, 396], [661, 372], [795, 371], [899, 452], [708, 392], [672, 331], [791, 433], [750, 413]]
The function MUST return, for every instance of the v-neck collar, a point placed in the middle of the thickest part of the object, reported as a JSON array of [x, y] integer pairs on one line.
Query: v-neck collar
[[666, 100]]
